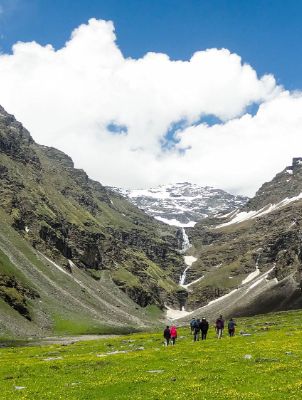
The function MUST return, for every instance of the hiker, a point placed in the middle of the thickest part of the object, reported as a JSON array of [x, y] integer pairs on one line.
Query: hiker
[[231, 327], [219, 326], [192, 325], [173, 333], [196, 330], [167, 335], [204, 327]]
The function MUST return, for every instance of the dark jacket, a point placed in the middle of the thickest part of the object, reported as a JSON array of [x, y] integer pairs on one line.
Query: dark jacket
[[219, 323], [167, 333], [204, 326], [197, 326]]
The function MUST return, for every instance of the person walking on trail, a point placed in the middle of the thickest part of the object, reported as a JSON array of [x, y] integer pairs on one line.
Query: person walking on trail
[[204, 327], [231, 327], [219, 327], [192, 325], [173, 333], [196, 330], [167, 335]]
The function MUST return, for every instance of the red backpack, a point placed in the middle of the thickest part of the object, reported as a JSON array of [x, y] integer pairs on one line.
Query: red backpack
[[173, 332]]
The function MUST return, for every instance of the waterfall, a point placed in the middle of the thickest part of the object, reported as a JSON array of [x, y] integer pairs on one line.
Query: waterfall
[[188, 259], [185, 241], [182, 277]]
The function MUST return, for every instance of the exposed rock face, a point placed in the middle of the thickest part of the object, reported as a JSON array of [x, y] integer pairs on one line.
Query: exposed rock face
[[16, 295], [287, 183], [265, 236], [183, 204], [67, 216], [15, 139]]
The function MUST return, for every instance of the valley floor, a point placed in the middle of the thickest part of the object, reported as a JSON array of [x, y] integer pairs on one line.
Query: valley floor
[[265, 364]]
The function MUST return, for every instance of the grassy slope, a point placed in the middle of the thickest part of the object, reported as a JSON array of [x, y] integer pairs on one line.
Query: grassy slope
[[204, 370], [58, 212], [64, 305], [100, 229]]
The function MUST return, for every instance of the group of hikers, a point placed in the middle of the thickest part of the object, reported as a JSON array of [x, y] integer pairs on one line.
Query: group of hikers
[[199, 329]]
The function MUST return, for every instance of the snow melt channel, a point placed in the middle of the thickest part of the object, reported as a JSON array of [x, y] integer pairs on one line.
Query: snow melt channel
[[253, 274], [188, 259]]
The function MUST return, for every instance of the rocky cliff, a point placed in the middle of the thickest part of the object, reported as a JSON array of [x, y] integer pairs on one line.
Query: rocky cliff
[[72, 222], [256, 247]]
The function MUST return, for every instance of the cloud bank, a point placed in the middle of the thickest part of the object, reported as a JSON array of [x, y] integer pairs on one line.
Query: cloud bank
[[137, 123]]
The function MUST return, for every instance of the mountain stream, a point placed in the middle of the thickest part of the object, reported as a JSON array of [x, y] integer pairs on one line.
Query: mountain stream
[[188, 259]]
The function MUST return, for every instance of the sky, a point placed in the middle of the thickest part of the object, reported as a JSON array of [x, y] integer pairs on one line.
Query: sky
[[142, 93]]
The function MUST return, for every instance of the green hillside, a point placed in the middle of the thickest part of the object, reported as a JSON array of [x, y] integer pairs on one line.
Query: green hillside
[[71, 249]]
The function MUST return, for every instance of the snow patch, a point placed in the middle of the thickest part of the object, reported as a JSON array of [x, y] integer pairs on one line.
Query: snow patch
[[245, 216], [231, 213], [251, 276], [176, 314], [262, 278], [181, 204], [175, 222], [189, 260], [222, 297]]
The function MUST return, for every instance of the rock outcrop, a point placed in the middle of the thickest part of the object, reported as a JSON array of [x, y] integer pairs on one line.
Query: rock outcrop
[[70, 218], [264, 236]]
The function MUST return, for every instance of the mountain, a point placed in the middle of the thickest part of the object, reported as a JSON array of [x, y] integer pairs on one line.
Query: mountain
[[78, 257], [250, 261], [183, 204], [74, 255]]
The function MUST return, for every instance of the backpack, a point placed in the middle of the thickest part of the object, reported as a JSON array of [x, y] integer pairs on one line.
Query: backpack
[[204, 326], [173, 332], [219, 324], [231, 325]]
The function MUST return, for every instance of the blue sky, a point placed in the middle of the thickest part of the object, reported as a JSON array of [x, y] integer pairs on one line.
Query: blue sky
[[118, 103], [266, 33]]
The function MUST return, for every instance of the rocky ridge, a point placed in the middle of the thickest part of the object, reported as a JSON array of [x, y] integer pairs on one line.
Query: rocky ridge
[[67, 219], [257, 247], [183, 204]]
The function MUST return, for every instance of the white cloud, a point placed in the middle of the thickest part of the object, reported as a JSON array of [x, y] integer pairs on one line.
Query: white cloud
[[68, 97]]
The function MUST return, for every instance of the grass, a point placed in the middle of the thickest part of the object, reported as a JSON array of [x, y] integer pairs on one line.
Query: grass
[[72, 326], [264, 365]]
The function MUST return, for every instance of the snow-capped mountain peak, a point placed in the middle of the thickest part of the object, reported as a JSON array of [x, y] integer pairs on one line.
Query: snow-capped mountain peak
[[183, 204]]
